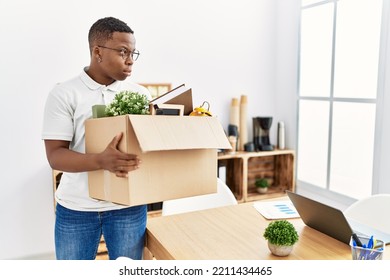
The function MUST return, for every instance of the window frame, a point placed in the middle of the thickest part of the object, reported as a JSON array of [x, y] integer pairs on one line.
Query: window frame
[[306, 187]]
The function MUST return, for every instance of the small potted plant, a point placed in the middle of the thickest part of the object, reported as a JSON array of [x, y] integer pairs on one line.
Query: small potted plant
[[262, 185], [128, 102], [281, 236]]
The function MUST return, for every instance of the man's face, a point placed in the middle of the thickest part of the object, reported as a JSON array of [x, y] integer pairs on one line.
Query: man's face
[[116, 60]]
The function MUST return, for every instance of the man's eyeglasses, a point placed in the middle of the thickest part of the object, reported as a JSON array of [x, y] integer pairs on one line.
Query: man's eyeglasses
[[125, 53]]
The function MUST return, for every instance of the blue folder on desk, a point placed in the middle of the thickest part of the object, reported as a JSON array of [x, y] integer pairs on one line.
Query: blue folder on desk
[[331, 221]]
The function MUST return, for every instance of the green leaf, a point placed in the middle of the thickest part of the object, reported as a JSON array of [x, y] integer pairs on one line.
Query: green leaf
[[128, 102], [281, 232]]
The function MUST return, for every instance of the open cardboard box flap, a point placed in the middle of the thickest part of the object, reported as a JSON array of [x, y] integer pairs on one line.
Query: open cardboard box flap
[[161, 133]]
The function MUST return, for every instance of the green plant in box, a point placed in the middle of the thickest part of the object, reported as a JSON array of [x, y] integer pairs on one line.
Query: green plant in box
[[128, 102], [262, 185]]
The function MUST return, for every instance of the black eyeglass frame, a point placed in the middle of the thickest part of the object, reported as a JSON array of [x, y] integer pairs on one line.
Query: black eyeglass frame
[[134, 54]]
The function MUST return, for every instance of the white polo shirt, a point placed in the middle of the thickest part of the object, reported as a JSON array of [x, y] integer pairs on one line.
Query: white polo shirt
[[68, 106]]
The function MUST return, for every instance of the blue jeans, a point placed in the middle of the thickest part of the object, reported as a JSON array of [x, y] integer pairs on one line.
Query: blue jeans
[[78, 233]]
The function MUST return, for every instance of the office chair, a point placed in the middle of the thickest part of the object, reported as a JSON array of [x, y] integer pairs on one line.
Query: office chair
[[371, 211], [223, 197]]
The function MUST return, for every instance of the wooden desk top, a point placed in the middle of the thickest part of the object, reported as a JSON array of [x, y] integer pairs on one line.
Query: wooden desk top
[[234, 233]]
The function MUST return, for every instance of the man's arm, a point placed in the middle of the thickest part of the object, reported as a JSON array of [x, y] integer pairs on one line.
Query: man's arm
[[61, 158]]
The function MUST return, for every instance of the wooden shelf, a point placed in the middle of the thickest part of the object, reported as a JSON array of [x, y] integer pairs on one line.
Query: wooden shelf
[[243, 168]]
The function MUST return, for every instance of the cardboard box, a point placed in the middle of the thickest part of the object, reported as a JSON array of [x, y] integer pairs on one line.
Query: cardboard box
[[178, 154]]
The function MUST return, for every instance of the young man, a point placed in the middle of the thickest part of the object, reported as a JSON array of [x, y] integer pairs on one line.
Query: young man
[[81, 220]]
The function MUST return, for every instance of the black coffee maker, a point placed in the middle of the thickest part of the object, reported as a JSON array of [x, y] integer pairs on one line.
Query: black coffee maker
[[261, 129]]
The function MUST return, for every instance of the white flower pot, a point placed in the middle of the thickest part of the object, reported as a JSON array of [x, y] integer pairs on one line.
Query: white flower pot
[[262, 190], [279, 250]]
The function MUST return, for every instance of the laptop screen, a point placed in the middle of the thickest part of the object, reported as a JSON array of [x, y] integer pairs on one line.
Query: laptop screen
[[322, 217]]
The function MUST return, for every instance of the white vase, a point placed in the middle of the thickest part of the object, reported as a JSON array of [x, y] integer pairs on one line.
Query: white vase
[[261, 190], [279, 250]]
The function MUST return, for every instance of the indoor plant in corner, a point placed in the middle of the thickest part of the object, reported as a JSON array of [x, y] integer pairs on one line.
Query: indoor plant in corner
[[281, 236], [262, 185]]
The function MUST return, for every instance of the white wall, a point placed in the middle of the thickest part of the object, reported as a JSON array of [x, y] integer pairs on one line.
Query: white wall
[[286, 61], [221, 49], [382, 149]]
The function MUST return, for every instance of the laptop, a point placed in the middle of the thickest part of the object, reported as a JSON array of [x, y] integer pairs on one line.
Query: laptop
[[331, 221]]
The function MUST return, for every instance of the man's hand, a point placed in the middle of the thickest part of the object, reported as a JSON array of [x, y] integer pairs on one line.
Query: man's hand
[[117, 162], [60, 157]]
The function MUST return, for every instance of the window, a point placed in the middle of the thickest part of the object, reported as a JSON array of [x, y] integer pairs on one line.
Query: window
[[338, 77]]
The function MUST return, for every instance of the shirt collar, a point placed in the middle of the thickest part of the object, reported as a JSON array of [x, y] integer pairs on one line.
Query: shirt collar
[[93, 85]]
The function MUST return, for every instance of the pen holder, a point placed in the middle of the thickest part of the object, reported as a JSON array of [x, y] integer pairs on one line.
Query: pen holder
[[364, 253]]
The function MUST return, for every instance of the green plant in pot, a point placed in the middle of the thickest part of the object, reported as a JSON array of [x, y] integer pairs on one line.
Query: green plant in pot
[[262, 185], [281, 236]]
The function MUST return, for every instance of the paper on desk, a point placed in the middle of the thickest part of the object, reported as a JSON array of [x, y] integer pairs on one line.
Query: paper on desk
[[282, 209]]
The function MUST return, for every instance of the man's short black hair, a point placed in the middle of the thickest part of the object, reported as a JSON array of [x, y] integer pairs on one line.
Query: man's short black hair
[[101, 31]]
